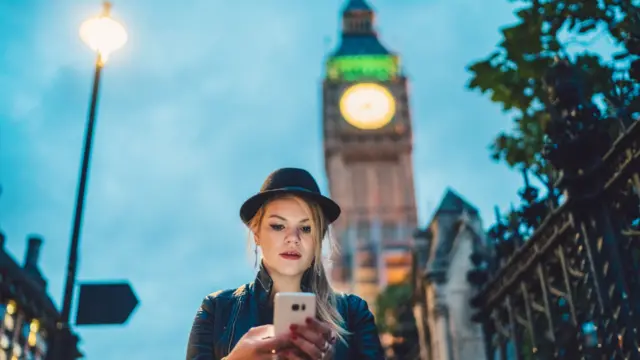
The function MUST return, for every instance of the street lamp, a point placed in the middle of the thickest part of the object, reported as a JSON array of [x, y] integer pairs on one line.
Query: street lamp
[[104, 36]]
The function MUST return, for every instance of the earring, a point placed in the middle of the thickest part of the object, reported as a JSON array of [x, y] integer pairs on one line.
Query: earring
[[255, 251]]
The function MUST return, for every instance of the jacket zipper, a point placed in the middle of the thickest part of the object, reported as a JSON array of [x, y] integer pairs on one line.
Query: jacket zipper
[[233, 324]]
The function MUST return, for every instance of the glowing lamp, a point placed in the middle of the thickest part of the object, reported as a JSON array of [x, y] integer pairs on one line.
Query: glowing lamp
[[103, 34]]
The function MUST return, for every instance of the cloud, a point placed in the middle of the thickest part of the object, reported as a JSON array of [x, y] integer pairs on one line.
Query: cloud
[[172, 162], [453, 127], [205, 100]]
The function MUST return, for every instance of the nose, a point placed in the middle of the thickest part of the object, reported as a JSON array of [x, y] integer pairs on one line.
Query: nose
[[293, 235]]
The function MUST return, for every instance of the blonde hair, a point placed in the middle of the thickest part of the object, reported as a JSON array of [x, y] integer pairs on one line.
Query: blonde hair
[[320, 232]]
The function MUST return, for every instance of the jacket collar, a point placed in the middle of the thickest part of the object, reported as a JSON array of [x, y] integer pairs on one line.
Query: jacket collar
[[255, 296], [265, 282], [254, 299]]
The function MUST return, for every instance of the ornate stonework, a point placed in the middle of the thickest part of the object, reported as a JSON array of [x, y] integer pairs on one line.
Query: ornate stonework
[[368, 158], [442, 291]]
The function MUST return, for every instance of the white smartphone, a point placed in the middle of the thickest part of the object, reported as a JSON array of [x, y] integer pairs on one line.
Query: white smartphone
[[292, 308]]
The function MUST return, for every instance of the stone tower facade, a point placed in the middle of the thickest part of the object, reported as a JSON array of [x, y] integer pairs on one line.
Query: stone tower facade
[[368, 157], [442, 289]]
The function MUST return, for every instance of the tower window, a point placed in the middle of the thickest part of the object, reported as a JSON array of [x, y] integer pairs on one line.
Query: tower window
[[389, 232], [364, 232], [360, 186], [385, 185]]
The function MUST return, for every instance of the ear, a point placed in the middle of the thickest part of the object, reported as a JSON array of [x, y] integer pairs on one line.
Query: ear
[[256, 240]]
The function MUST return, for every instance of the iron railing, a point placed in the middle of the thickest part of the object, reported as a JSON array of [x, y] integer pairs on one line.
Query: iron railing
[[571, 290]]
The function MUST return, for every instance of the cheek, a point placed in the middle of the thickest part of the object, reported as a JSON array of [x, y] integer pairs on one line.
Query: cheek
[[308, 245], [271, 242], [266, 241]]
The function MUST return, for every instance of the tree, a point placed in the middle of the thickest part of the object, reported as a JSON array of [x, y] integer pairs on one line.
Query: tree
[[388, 302], [394, 317], [547, 29], [513, 75]]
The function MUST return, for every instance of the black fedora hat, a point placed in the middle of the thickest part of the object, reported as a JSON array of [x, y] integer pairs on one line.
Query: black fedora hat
[[289, 181]]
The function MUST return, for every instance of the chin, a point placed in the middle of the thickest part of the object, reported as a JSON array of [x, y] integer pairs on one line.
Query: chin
[[289, 268]]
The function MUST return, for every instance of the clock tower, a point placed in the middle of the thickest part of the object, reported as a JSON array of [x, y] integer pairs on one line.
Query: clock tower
[[368, 158]]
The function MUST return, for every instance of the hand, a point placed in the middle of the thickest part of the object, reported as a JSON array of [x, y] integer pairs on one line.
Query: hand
[[259, 343], [313, 341]]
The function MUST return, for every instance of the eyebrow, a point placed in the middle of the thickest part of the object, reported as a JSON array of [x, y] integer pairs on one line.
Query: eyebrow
[[283, 219]]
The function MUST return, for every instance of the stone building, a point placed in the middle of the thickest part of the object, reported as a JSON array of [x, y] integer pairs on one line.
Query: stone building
[[368, 151], [442, 291], [28, 314]]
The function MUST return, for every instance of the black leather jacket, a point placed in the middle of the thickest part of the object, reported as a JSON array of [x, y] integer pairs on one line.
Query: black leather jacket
[[225, 316]]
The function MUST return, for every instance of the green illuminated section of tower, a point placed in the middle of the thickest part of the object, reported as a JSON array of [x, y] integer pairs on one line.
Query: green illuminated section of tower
[[381, 67], [360, 56]]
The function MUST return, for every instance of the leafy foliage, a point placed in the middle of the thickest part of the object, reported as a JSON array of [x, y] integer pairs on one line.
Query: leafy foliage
[[512, 74], [513, 77], [394, 317], [392, 298]]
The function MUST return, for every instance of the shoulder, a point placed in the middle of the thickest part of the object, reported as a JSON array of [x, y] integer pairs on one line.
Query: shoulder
[[353, 308], [364, 340], [226, 296], [352, 300]]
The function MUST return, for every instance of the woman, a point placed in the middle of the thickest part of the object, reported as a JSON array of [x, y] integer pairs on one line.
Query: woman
[[289, 220]]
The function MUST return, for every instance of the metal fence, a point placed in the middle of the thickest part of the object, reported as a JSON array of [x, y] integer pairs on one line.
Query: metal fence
[[571, 290]]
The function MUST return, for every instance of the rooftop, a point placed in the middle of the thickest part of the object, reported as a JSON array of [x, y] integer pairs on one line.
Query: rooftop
[[357, 5]]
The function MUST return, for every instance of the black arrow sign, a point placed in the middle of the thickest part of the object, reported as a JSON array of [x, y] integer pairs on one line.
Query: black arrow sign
[[105, 303]]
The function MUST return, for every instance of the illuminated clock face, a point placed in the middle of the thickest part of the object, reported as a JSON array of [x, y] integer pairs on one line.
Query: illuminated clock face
[[367, 106]]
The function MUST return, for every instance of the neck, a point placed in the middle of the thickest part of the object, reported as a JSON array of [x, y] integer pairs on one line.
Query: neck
[[283, 283]]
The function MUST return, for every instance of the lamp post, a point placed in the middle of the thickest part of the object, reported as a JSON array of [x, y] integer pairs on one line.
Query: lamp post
[[103, 35]]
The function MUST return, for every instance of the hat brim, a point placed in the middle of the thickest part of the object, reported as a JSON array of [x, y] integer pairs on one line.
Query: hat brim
[[330, 208]]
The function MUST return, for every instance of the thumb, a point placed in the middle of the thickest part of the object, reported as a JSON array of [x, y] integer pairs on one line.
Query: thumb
[[274, 343], [262, 331]]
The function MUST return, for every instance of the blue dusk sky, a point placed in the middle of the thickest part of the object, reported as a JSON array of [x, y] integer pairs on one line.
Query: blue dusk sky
[[206, 99]]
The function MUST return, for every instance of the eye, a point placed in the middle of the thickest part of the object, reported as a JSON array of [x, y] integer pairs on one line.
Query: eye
[[277, 227], [306, 229]]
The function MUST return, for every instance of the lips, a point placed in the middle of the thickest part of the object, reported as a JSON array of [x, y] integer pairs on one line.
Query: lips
[[291, 255]]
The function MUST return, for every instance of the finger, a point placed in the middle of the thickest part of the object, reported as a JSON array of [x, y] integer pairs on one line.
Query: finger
[[274, 344], [320, 327], [290, 355], [259, 329], [266, 357], [309, 334], [265, 352], [263, 331], [307, 347]]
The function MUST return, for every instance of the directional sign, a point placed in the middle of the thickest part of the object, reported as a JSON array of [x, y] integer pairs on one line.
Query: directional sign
[[105, 303]]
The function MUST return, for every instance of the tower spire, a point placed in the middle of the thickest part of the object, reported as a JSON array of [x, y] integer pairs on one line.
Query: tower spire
[[358, 18], [357, 5], [360, 54]]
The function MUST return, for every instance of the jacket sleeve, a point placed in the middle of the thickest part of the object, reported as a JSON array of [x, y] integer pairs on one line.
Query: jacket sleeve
[[200, 346], [366, 341]]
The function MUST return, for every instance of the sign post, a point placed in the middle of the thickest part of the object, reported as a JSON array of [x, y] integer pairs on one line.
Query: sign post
[[105, 303]]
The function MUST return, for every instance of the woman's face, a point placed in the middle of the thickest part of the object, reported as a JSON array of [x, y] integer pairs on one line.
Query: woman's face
[[285, 237]]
